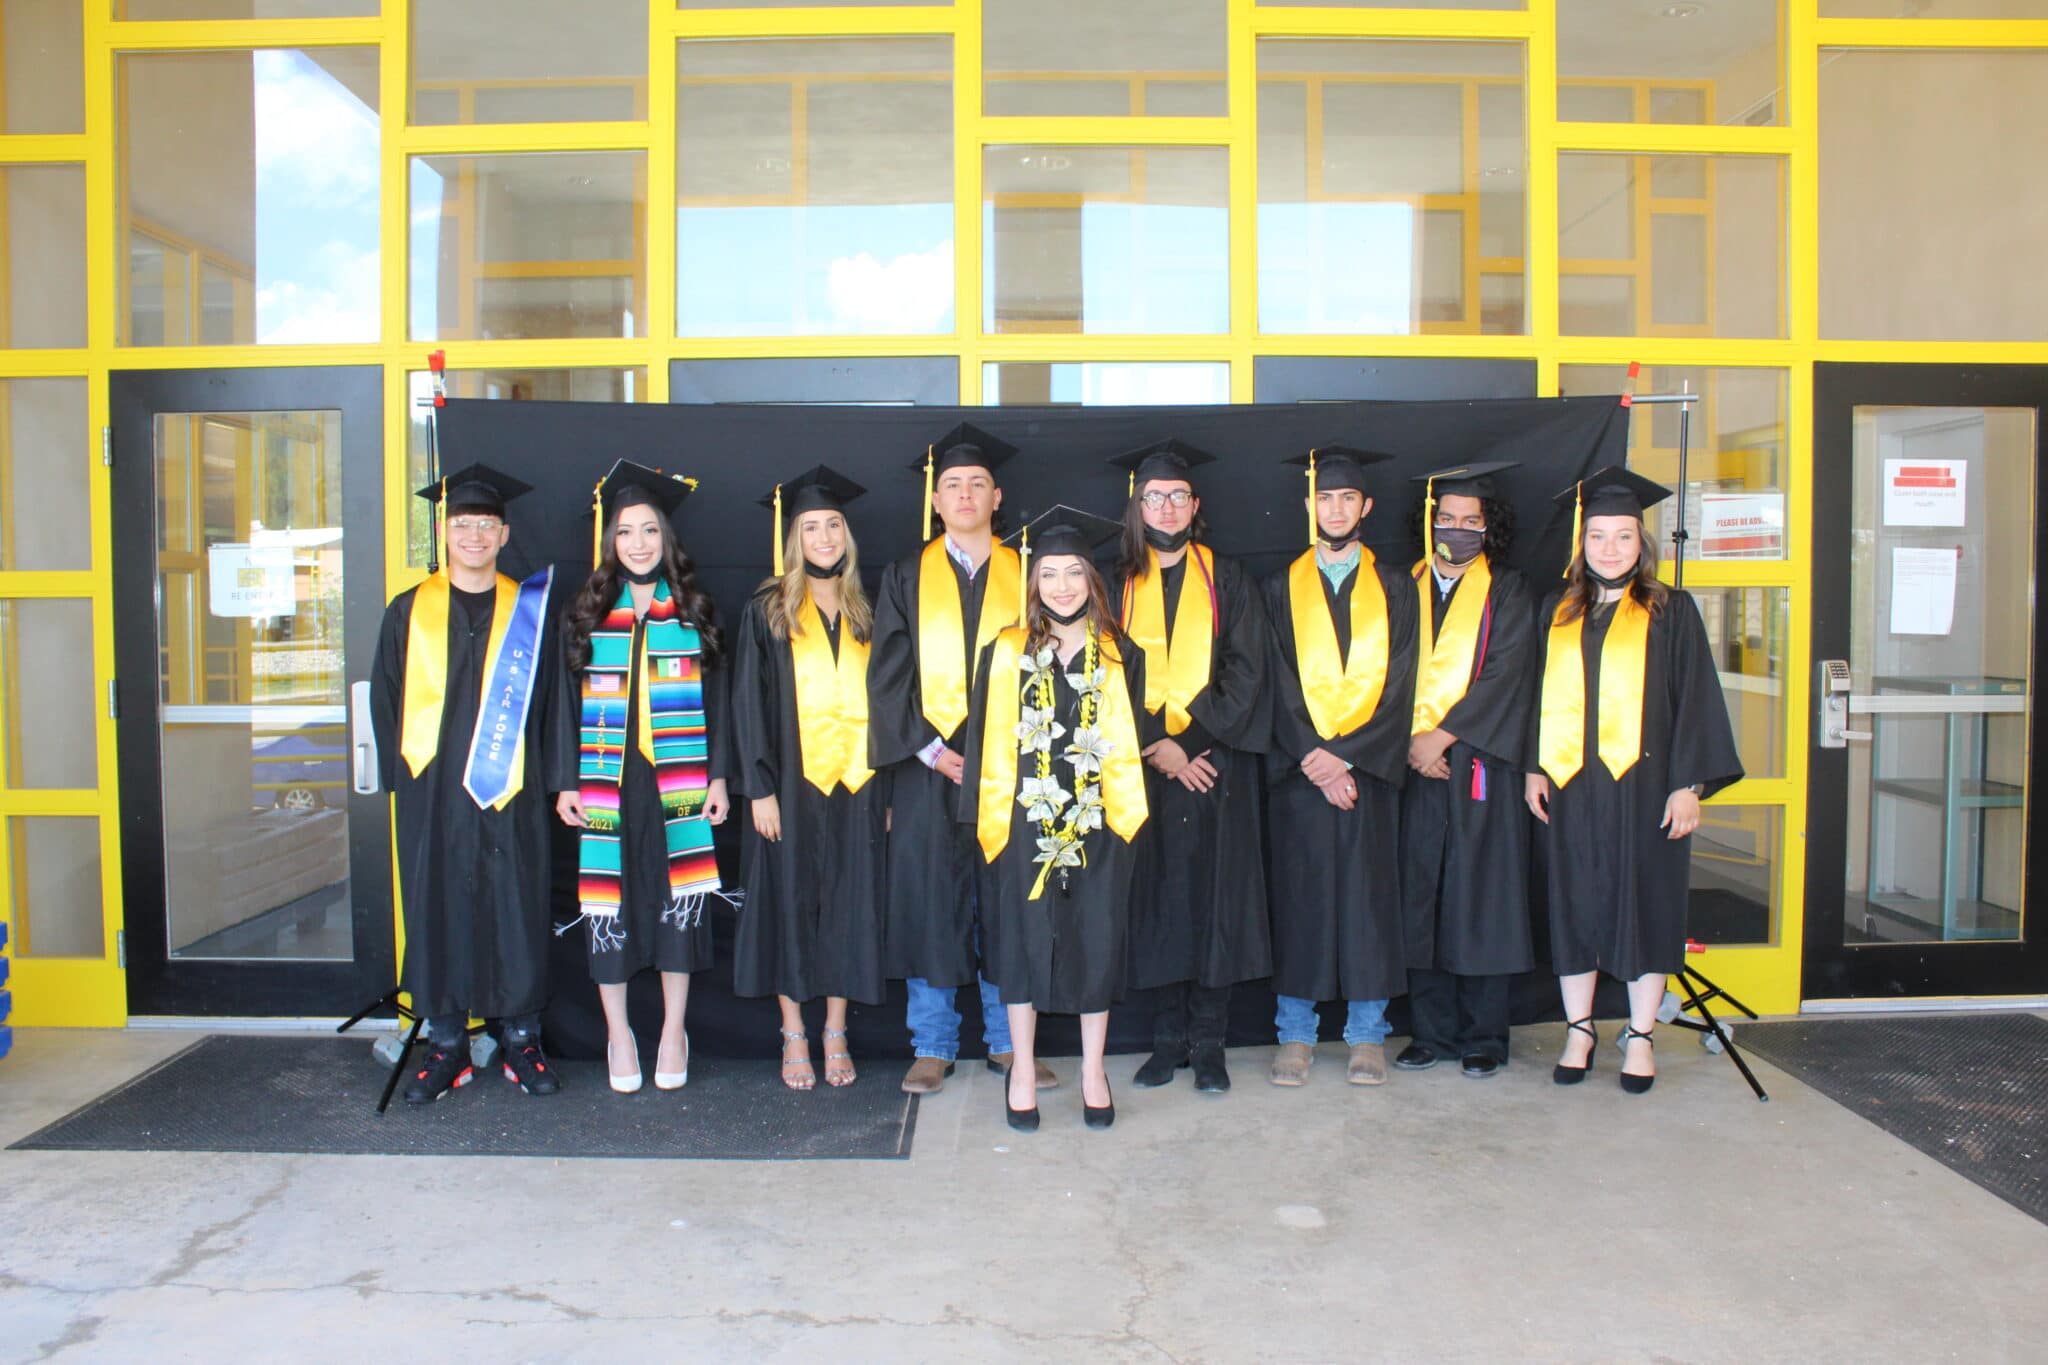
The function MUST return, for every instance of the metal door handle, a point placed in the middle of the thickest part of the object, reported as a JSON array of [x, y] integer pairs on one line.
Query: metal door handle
[[364, 740]]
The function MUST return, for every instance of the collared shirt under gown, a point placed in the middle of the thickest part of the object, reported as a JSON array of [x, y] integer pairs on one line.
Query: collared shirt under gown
[[812, 922], [1198, 900], [1064, 952], [1618, 883], [1336, 873], [929, 928], [1465, 839], [473, 883], [651, 940]]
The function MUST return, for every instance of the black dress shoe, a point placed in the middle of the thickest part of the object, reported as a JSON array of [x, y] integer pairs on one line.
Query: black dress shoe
[[1416, 1057], [1479, 1065], [1159, 1067], [1090, 1115], [446, 1069], [1211, 1076], [1023, 1120], [528, 1068]]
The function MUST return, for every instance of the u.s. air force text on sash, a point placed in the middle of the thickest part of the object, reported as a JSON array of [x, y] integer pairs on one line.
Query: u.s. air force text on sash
[[496, 764]]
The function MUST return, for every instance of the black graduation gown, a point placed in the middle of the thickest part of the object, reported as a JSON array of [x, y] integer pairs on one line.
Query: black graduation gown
[[1465, 842], [1198, 902], [1064, 952], [812, 923], [473, 882], [1618, 884], [1336, 874], [643, 839], [929, 927]]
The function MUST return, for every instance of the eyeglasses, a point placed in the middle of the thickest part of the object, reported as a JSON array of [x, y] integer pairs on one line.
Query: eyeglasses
[[1154, 500], [465, 525]]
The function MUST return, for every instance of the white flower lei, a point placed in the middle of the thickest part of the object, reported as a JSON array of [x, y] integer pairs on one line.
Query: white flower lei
[[1038, 729]]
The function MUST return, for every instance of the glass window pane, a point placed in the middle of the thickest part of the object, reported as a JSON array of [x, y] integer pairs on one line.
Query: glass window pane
[[244, 9], [1401, 4], [1934, 9], [518, 61], [1927, 233], [1735, 893], [1703, 62], [42, 67], [581, 386], [1699, 242], [53, 864], [1747, 632], [814, 183], [1084, 57], [544, 244], [1088, 384], [797, 4], [250, 181], [1735, 462], [1391, 175], [47, 711], [42, 213], [44, 453], [1107, 239]]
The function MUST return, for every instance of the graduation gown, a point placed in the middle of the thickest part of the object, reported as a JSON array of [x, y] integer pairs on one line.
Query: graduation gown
[[1198, 901], [1064, 952], [1336, 874], [1465, 839], [1618, 885], [929, 927], [473, 883], [812, 923], [643, 841]]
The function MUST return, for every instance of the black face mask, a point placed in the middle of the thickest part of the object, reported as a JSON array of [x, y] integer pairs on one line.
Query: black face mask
[[1160, 540], [1459, 544], [1350, 537], [1067, 620], [643, 579], [836, 569], [1623, 581]]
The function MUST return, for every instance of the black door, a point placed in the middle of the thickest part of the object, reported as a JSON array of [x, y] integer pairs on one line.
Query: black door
[[1923, 855], [248, 508]]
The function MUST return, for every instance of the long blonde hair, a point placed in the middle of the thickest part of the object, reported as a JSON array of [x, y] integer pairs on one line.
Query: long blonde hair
[[784, 597]]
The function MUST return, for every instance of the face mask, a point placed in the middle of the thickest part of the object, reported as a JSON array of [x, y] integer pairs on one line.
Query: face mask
[[1349, 537], [1067, 620], [1459, 544], [1159, 540], [1606, 582], [643, 579], [833, 571]]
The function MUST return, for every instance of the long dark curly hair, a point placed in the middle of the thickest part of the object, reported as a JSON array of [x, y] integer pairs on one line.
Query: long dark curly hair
[[1038, 625], [594, 600], [1500, 527]]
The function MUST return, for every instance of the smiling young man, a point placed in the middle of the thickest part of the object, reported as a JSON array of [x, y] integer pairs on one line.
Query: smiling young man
[[1343, 678], [934, 614], [464, 723]]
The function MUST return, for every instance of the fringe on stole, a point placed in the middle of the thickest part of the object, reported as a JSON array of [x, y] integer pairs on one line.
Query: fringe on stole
[[607, 935]]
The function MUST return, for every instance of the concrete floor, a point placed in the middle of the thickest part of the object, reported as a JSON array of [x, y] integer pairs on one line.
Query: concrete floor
[[1436, 1219]]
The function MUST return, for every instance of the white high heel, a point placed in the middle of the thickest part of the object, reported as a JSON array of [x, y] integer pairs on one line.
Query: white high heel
[[676, 1080], [625, 1085]]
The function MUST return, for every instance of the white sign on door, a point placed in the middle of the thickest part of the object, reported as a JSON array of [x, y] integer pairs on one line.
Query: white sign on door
[[251, 580], [1925, 492]]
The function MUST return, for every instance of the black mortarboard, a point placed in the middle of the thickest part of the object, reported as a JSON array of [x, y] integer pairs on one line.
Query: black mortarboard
[[629, 484], [1064, 530], [1472, 480], [965, 444], [1610, 492], [1339, 466], [476, 488], [818, 488], [1168, 459]]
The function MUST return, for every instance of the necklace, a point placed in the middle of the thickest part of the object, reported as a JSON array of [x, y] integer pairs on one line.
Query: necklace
[[1044, 799]]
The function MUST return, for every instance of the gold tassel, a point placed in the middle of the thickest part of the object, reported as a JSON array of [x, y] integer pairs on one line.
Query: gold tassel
[[441, 511], [1023, 579], [1429, 518], [1312, 500], [778, 530], [1133, 490], [1578, 525], [929, 451], [597, 523]]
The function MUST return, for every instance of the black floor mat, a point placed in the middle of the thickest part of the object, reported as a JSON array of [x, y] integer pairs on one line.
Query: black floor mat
[[1970, 1091], [319, 1094]]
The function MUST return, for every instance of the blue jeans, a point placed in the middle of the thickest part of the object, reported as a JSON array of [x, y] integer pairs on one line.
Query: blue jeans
[[1365, 1021], [935, 1021]]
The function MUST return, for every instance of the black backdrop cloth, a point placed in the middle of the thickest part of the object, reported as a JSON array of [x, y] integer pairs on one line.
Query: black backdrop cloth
[[1251, 502]]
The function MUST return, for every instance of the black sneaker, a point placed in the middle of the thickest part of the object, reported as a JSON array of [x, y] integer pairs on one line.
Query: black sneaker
[[444, 1070], [1416, 1057], [527, 1067]]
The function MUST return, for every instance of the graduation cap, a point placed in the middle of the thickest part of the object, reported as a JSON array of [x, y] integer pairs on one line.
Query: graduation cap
[[1471, 480], [1610, 492], [819, 488], [1169, 459], [633, 485], [965, 446], [474, 488], [1331, 467], [1058, 530]]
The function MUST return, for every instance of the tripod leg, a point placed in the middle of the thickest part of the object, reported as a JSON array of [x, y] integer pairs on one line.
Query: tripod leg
[[1694, 1000], [389, 998], [391, 1085]]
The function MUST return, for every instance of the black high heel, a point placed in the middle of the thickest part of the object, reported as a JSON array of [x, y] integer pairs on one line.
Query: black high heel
[[1631, 1083], [1023, 1120], [1099, 1118], [1572, 1075]]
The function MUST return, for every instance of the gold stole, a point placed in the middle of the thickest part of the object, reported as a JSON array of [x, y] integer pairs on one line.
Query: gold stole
[[943, 673], [1443, 668], [1123, 775], [1624, 657], [1176, 672], [426, 670], [1340, 697], [831, 701]]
